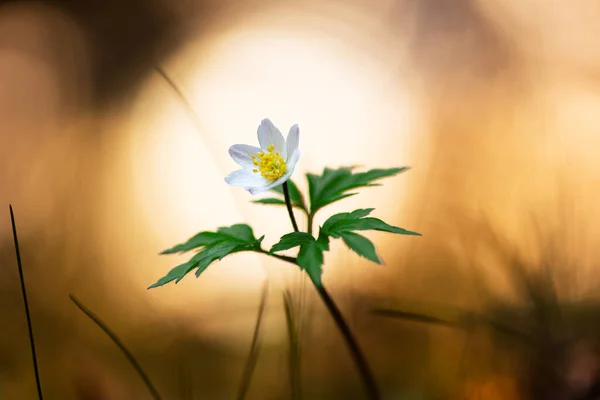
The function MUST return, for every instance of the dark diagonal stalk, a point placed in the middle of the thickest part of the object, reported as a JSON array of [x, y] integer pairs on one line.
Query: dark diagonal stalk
[[121, 347], [288, 203], [27, 315], [355, 351]]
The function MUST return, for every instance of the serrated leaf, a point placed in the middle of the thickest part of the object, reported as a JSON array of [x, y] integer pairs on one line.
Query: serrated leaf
[[364, 224], [198, 240], [363, 212], [218, 252], [216, 246], [175, 274], [333, 184], [239, 232], [202, 260], [361, 246], [323, 241], [310, 259], [295, 195], [343, 225], [292, 240]]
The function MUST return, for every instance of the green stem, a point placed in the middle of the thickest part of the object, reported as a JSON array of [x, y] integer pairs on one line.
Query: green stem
[[27, 315], [311, 217], [288, 203]]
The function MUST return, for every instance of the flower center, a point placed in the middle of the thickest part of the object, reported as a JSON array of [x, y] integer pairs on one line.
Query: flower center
[[270, 164]]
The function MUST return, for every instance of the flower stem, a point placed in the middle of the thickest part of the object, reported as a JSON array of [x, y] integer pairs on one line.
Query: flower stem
[[27, 315], [279, 257], [288, 203], [355, 351]]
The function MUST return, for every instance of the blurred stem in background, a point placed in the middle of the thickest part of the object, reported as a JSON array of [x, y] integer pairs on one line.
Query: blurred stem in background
[[294, 340], [121, 347], [255, 346]]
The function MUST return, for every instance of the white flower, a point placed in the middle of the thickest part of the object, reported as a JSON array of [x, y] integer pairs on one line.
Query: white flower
[[269, 165]]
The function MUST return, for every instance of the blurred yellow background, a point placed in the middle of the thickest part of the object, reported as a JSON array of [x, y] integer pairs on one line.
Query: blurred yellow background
[[493, 104]]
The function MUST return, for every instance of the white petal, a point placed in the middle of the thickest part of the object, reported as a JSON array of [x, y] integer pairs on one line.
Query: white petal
[[292, 139], [293, 160], [246, 178], [242, 154], [257, 190], [268, 135]]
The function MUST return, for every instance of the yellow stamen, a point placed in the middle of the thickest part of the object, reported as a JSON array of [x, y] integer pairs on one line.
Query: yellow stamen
[[270, 165]]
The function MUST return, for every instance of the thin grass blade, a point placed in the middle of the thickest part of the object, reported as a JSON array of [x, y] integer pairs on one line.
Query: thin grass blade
[[120, 345]]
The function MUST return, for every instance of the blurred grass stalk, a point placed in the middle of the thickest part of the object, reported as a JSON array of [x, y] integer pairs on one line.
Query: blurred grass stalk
[[121, 346], [295, 346], [255, 346]]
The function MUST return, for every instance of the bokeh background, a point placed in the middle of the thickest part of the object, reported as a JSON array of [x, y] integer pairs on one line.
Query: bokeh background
[[115, 120]]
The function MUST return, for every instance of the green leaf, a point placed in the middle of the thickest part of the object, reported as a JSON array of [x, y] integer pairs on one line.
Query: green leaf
[[345, 216], [198, 240], [271, 201], [310, 256], [343, 225], [361, 246], [214, 246], [175, 274], [310, 259], [323, 241], [238, 232], [333, 184], [364, 224], [291, 240], [295, 195]]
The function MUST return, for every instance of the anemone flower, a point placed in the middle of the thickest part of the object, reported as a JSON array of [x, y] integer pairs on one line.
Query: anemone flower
[[269, 165]]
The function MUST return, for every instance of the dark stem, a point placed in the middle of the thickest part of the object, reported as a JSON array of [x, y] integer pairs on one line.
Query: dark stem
[[254, 347], [355, 351], [288, 203], [279, 257], [120, 345], [27, 315]]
